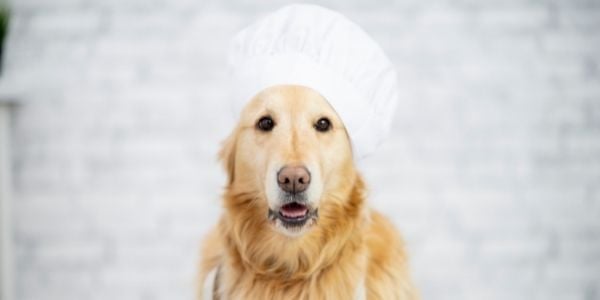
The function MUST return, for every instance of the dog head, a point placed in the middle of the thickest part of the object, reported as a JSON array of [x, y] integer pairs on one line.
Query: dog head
[[289, 153]]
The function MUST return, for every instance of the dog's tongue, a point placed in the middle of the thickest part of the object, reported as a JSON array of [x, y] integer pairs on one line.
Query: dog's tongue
[[294, 210]]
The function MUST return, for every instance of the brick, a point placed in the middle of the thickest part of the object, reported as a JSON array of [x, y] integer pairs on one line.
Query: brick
[[568, 43], [571, 273], [581, 249], [520, 20], [517, 249], [142, 255], [579, 19], [70, 253], [67, 23]]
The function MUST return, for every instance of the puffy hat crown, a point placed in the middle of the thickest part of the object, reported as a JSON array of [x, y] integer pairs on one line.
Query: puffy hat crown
[[316, 47]]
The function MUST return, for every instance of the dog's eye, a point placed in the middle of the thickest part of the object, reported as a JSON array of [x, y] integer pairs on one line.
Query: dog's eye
[[265, 124], [323, 125]]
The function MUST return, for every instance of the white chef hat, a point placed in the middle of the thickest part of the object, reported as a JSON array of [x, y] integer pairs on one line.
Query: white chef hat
[[319, 48]]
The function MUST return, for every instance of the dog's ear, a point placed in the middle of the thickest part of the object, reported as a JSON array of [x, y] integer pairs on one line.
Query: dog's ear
[[227, 156]]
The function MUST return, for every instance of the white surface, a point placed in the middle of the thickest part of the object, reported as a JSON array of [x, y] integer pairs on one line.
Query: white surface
[[209, 284], [491, 172], [6, 246]]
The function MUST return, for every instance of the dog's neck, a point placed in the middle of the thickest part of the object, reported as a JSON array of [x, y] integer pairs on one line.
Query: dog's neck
[[254, 246]]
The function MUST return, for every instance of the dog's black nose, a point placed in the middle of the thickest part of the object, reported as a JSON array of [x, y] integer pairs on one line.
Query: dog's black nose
[[293, 179]]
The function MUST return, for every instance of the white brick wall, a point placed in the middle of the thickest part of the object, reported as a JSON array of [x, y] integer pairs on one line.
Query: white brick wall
[[492, 172]]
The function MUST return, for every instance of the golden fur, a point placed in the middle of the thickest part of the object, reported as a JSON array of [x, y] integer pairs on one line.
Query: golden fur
[[348, 248]]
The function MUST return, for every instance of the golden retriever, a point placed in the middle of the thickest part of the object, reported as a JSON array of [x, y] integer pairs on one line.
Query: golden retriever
[[295, 222]]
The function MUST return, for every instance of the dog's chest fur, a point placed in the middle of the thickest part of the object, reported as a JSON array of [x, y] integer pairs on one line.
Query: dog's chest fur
[[345, 281]]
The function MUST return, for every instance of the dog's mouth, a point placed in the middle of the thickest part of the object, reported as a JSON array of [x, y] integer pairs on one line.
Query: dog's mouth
[[293, 211], [293, 214]]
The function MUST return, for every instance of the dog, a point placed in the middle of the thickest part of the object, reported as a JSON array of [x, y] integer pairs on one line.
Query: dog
[[295, 223]]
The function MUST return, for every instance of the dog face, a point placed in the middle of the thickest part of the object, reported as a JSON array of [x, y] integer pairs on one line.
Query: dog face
[[291, 150]]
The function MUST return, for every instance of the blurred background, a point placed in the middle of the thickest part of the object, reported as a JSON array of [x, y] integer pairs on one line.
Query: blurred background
[[492, 172]]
